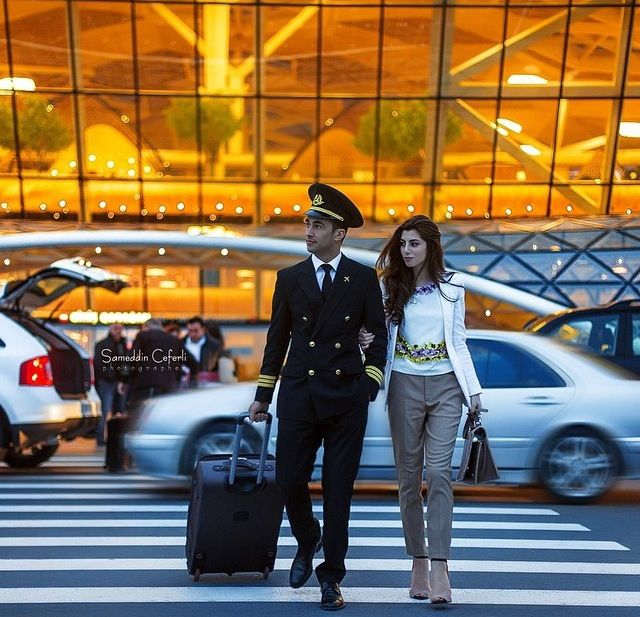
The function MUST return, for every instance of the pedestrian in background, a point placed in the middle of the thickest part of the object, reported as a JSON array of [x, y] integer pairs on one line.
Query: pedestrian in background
[[208, 360], [108, 367], [429, 375]]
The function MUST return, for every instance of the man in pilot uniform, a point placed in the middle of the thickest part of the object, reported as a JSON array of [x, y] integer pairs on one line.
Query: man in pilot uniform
[[319, 306]]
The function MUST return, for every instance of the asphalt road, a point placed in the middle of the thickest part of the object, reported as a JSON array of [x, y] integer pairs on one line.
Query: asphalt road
[[75, 541]]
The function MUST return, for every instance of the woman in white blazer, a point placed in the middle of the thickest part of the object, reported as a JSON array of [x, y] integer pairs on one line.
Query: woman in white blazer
[[429, 376]]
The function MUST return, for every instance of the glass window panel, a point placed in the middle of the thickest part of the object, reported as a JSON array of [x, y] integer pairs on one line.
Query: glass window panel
[[40, 42], [165, 39], [345, 140], [624, 264], [8, 158], [46, 133], [227, 137], [290, 139], [633, 70], [228, 203], [104, 200], [592, 57], [110, 140], [471, 64], [591, 295], [169, 137], [267, 285], [290, 49], [467, 153], [520, 200], [403, 132], [537, 36], [9, 198], [51, 200], [349, 61], [456, 201], [409, 58], [231, 297], [576, 200], [624, 199], [285, 203], [398, 202], [627, 168], [582, 140], [104, 45], [170, 202], [4, 62], [172, 291], [227, 48]]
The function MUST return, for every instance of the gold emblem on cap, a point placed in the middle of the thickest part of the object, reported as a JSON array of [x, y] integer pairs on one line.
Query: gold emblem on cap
[[317, 200]]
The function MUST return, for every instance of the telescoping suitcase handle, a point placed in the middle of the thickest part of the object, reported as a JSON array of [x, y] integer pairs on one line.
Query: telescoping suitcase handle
[[236, 447]]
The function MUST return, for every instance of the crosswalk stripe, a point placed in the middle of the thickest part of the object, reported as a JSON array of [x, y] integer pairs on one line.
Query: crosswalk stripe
[[353, 523], [158, 484], [488, 543], [353, 565], [254, 594], [357, 509]]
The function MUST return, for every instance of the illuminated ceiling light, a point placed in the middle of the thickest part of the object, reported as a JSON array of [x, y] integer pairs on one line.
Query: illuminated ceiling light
[[502, 131], [111, 164], [124, 118], [508, 211], [569, 208], [159, 174], [534, 247], [224, 252], [180, 206], [629, 211], [56, 215], [448, 215], [619, 270], [633, 175], [103, 204], [162, 209], [62, 203], [65, 210], [529, 207], [487, 313], [131, 173], [525, 79], [521, 175], [530, 150], [49, 108], [411, 208], [43, 207], [156, 272], [239, 210], [487, 215], [449, 208], [144, 212], [487, 180], [131, 160], [147, 169], [166, 164], [54, 172], [110, 215], [629, 129], [161, 251], [159, 216], [98, 250], [510, 124], [212, 217], [296, 207], [123, 208], [284, 166], [328, 121], [4, 205], [24, 84], [167, 284], [469, 211], [72, 164], [92, 158], [245, 273], [391, 212], [277, 210], [472, 248], [219, 206]]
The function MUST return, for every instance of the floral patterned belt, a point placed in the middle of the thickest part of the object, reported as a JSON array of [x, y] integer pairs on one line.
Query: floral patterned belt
[[429, 352]]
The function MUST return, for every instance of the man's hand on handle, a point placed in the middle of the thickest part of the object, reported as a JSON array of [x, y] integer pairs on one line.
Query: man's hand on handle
[[258, 411]]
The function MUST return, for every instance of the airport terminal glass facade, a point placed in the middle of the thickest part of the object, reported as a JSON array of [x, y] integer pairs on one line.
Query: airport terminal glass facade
[[178, 112]]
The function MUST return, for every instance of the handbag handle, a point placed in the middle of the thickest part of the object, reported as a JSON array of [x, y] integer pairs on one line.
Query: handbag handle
[[473, 421]]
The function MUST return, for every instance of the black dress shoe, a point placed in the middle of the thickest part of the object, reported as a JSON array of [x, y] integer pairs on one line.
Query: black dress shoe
[[302, 566], [332, 599]]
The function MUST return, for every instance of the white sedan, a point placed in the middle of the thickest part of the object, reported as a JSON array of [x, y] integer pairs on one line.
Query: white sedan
[[556, 415]]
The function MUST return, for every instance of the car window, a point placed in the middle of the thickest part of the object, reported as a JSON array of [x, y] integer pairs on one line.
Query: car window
[[596, 332], [502, 365], [635, 335]]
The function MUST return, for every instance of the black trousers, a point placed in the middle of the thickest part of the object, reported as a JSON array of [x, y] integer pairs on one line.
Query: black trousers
[[296, 448]]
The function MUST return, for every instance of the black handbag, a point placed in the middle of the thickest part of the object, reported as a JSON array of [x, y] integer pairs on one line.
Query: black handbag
[[477, 464]]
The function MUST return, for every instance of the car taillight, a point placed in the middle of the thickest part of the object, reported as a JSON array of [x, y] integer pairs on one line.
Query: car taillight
[[36, 372]]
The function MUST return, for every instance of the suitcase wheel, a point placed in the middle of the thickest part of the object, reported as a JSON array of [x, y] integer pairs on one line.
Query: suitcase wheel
[[266, 572], [196, 575]]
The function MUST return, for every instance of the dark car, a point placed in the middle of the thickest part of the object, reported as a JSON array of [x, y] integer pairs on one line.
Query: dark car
[[611, 331]]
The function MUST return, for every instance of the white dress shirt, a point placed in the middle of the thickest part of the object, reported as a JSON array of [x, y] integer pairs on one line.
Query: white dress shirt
[[317, 266], [195, 348]]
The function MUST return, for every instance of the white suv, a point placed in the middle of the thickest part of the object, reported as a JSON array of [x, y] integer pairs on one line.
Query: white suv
[[46, 391]]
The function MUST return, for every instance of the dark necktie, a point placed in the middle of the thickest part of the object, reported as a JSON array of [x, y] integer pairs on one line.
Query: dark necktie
[[326, 281]]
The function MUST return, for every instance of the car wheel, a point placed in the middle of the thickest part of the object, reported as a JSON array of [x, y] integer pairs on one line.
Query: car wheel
[[218, 439], [24, 458], [578, 465]]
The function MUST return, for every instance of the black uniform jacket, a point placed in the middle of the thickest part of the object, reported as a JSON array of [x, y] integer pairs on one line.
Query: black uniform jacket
[[325, 364]]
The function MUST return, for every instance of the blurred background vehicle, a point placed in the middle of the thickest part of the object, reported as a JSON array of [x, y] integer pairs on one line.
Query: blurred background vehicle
[[611, 331], [46, 390], [556, 415]]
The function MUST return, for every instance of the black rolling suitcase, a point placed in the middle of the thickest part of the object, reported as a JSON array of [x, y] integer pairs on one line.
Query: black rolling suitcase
[[116, 455], [235, 511]]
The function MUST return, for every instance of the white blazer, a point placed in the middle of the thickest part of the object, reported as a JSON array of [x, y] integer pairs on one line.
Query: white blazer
[[455, 336]]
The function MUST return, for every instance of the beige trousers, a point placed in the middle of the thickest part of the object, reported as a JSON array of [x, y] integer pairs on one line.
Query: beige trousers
[[424, 415]]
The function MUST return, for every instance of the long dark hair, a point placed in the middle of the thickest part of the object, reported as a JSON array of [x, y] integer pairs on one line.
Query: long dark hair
[[399, 279]]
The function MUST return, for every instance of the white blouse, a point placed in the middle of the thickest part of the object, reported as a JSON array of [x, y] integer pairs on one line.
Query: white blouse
[[420, 347]]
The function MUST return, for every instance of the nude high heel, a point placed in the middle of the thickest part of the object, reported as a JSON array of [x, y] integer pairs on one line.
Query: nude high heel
[[419, 579], [439, 582]]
